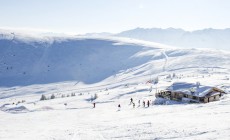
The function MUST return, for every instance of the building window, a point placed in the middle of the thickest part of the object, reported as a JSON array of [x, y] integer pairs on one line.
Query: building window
[[202, 99]]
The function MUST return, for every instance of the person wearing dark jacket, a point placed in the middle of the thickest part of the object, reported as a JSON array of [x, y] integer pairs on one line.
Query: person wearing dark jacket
[[119, 107], [148, 103], [131, 100]]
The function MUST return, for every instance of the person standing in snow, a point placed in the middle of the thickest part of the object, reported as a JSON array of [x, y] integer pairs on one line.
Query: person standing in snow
[[131, 100], [148, 103], [94, 105], [133, 105], [143, 103], [119, 107]]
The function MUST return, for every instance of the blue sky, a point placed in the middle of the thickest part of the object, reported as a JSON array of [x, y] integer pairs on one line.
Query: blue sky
[[82, 16]]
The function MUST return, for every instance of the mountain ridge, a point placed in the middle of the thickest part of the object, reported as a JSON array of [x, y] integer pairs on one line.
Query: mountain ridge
[[205, 38]]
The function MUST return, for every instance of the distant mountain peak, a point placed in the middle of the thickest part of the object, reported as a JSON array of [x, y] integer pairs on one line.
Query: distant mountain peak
[[205, 38]]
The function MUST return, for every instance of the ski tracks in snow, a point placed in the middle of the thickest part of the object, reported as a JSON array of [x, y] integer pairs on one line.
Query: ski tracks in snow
[[166, 60]]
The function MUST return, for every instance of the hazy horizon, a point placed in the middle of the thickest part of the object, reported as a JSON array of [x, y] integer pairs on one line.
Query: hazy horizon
[[40, 31], [80, 17]]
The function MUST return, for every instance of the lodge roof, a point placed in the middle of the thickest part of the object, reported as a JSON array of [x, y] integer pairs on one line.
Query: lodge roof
[[194, 89]]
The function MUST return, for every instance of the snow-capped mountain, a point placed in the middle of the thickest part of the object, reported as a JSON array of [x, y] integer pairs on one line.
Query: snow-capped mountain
[[206, 38], [87, 60]]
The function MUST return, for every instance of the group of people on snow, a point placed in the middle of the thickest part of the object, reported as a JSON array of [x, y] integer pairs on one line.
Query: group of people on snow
[[145, 104]]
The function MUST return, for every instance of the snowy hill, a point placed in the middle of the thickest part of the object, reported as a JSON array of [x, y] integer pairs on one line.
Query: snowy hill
[[75, 70], [206, 38], [26, 60]]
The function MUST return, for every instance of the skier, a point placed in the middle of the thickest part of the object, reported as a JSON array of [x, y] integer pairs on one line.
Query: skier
[[133, 105], [94, 105], [148, 103], [143, 103], [139, 103], [119, 107], [131, 100]]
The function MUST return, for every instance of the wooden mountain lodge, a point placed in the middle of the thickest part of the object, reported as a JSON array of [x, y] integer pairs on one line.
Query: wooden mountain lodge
[[193, 93]]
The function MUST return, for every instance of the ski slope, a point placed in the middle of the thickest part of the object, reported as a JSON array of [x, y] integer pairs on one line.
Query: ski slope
[[115, 69]]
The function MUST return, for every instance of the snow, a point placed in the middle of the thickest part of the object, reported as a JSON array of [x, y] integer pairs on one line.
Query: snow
[[116, 69], [206, 38]]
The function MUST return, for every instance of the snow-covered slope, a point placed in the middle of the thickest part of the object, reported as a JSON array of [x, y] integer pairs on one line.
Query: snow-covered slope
[[206, 38], [26, 61], [75, 69]]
